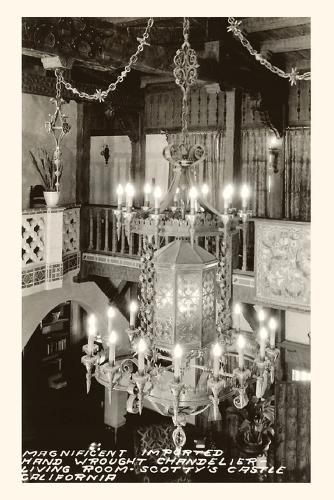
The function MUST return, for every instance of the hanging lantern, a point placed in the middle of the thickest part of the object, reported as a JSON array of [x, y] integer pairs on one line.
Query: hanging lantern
[[185, 308]]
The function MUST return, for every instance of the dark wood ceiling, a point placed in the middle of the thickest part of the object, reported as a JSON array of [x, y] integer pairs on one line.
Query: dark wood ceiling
[[100, 47]]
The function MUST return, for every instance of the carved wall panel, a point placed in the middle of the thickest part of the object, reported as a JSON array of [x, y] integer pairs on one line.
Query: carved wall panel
[[282, 263], [206, 110], [300, 104]]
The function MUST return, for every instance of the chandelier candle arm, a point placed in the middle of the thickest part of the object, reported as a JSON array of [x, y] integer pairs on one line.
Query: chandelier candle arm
[[157, 195], [177, 358], [147, 192], [245, 194], [119, 192], [261, 317], [129, 193], [217, 352], [193, 198], [272, 328], [241, 355], [112, 347], [133, 310], [227, 196], [237, 312], [263, 339], [91, 333]]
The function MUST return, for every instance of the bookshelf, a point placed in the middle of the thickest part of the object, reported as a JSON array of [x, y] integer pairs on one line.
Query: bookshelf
[[55, 338]]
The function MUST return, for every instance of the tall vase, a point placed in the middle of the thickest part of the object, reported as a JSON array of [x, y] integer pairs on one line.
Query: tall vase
[[51, 198]]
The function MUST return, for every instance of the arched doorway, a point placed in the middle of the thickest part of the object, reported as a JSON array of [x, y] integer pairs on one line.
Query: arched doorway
[[57, 413]]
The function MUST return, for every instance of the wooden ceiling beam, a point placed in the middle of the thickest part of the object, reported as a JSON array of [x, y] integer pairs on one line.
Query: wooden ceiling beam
[[257, 24], [287, 44]]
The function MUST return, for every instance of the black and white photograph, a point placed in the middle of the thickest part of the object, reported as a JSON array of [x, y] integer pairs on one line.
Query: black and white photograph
[[166, 209]]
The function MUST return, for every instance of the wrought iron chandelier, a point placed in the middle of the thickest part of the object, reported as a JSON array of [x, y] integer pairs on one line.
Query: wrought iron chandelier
[[186, 357]]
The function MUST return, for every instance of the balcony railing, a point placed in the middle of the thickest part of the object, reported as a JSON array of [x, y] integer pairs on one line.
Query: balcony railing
[[101, 234], [271, 258]]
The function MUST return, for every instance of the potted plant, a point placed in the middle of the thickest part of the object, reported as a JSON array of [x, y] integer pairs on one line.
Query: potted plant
[[46, 167], [257, 429]]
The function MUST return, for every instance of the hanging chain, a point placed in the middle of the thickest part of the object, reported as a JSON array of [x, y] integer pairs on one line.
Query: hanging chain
[[59, 75], [185, 73], [101, 95], [293, 76]]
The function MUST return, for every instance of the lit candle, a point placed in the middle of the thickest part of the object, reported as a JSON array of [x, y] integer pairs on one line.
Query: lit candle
[[261, 316], [157, 196], [111, 315], [192, 196], [119, 192], [217, 352], [263, 340], [205, 190], [112, 346], [129, 192], [133, 309], [237, 312], [177, 362], [272, 327], [176, 196], [227, 195], [241, 346], [147, 192], [141, 356], [91, 327], [245, 192]]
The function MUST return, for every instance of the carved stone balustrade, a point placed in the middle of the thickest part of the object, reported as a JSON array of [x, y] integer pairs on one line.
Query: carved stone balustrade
[[50, 247]]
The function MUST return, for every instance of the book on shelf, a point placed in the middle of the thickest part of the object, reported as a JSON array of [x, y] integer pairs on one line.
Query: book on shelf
[[56, 346]]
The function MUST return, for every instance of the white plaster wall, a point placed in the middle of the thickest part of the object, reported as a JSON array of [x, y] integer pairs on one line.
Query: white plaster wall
[[156, 167], [104, 179], [297, 326], [35, 112], [36, 306]]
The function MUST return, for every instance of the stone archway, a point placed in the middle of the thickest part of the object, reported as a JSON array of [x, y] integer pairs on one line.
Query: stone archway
[[88, 295]]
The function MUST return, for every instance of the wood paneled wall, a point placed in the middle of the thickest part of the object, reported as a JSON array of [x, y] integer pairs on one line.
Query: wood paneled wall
[[299, 106], [163, 110]]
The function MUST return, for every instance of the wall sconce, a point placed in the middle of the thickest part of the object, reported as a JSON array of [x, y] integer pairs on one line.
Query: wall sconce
[[105, 152]]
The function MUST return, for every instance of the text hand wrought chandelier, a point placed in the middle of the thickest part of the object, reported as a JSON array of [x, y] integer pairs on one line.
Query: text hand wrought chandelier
[[186, 357]]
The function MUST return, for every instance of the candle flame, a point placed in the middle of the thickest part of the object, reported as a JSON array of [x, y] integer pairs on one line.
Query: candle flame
[[91, 324], [147, 188], [217, 350], [111, 312], [272, 324], [193, 192], [133, 307], [241, 342], [263, 333], [178, 351], [261, 315], [141, 345], [119, 189], [205, 189], [157, 192], [113, 337], [129, 189], [245, 191], [237, 308], [228, 192]]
